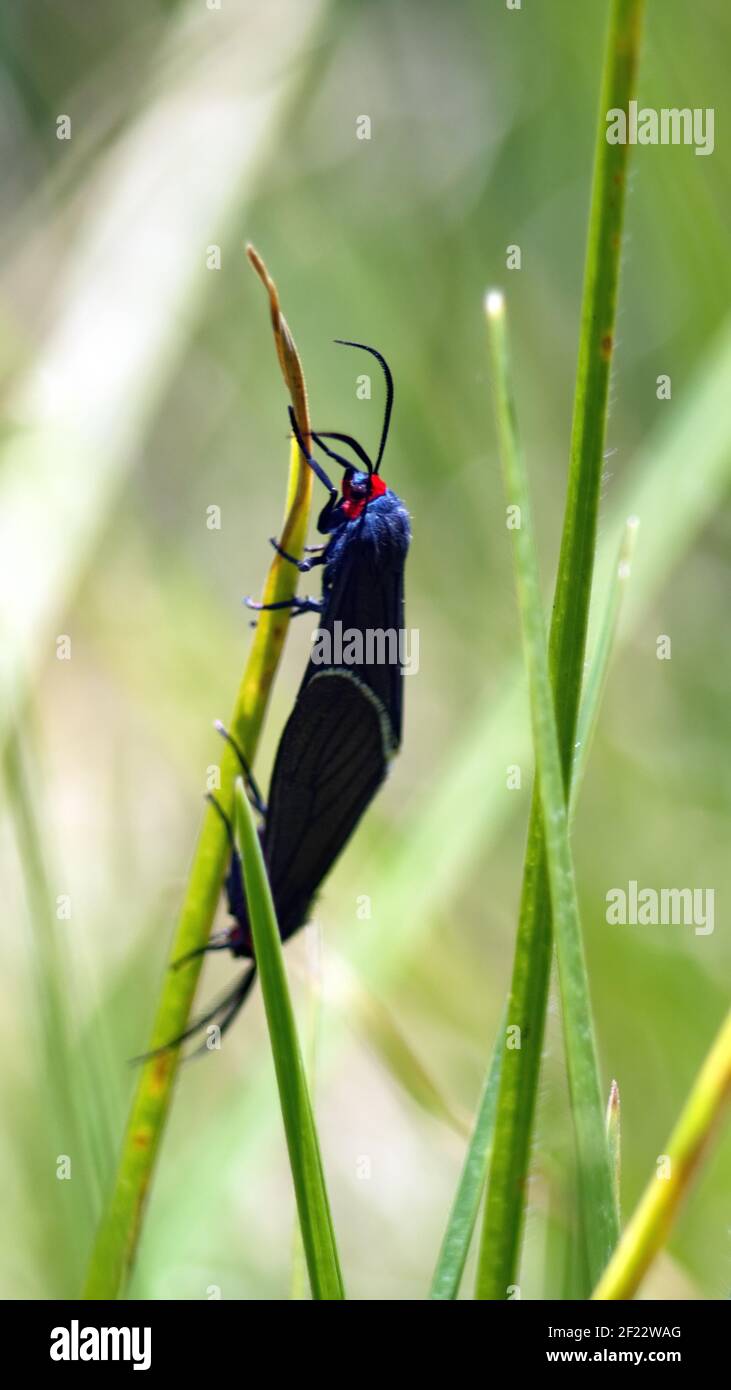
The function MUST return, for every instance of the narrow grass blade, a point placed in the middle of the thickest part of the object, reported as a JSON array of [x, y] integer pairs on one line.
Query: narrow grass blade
[[614, 1139], [648, 1229], [595, 1174], [119, 1231], [318, 1236], [463, 1215], [596, 676], [299, 1285], [533, 951]]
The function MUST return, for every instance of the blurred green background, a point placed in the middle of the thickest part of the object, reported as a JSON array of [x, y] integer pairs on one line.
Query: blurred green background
[[141, 388]]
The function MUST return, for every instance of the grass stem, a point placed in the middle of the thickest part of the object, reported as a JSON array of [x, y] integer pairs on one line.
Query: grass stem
[[648, 1229], [533, 951], [595, 1173], [119, 1230], [318, 1236]]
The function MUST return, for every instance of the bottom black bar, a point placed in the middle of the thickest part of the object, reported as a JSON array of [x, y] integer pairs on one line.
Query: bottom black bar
[[159, 1338]]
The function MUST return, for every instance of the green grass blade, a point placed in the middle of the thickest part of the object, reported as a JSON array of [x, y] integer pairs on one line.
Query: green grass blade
[[614, 1139], [463, 1215], [532, 963], [119, 1230], [299, 1284], [595, 1173], [699, 1120], [596, 676], [318, 1236]]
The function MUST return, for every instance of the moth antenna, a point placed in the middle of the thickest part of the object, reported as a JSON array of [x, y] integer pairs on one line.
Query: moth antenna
[[344, 439], [347, 342]]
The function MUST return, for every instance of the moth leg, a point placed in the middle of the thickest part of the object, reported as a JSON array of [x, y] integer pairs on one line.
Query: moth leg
[[304, 566], [331, 515], [315, 607], [232, 937], [255, 795], [219, 808], [298, 605], [230, 1012], [220, 942], [314, 465], [230, 1004]]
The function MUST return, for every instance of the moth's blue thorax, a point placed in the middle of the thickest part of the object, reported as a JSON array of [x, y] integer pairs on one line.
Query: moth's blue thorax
[[380, 529]]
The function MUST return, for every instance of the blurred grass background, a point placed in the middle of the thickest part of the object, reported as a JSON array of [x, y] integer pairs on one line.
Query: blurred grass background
[[141, 388]]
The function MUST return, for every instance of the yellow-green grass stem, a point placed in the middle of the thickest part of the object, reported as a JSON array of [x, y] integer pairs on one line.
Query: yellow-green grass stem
[[649, 1227], [119, 1229]]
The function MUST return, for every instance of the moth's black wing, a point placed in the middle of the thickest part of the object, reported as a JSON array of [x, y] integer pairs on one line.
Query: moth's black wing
[[366, 595], [370, 602], [332, 757]]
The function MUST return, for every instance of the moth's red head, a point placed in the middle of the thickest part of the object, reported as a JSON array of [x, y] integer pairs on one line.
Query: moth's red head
[[359, 488]]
